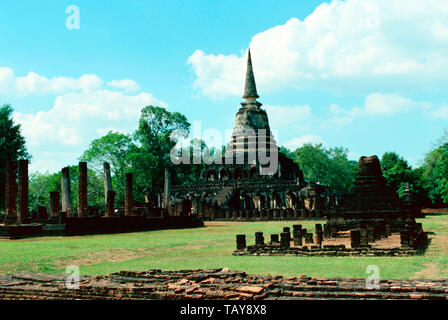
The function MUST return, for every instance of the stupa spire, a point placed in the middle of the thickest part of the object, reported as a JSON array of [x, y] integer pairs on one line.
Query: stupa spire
[[250, 89]]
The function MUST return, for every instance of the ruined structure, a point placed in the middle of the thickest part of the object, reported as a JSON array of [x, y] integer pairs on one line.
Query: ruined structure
[[213, 284], [252, 179], [371, 202], [19, 222], [370, 220]]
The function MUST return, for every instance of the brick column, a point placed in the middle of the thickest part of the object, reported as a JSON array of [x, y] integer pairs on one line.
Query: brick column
[[355, 237], [167, 189], [287, 230], [128, 195], [259, 239], [274, 238], [23, 210], [285, 239], [110, 203], [82, 190], [54, 205], [10, 193], [240, 241], [67, 205], [107, 180]]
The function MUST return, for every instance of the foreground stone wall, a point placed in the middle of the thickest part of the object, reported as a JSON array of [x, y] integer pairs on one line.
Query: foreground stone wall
[[212, 284]]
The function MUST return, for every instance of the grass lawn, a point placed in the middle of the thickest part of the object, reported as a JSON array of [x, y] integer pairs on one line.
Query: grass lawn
[[211, 247]]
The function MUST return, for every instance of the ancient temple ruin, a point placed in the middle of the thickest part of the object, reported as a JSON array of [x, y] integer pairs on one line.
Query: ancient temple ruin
[[369, 221], [19, 222], [252, 179]]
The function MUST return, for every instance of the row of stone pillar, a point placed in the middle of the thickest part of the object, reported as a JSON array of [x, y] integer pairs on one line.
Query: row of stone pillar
[[20, 214], [299, 235]]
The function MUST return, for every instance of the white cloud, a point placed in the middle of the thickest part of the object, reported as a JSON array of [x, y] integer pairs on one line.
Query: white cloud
[[82, 111], [345, 45], [375, 104], [78, 117], [441, 113], [127, 85], [300, 141], [34, 83], [281, 116]]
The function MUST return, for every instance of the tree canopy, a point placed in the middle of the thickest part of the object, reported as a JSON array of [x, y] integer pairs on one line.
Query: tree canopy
[[12, 144], [326, 166]]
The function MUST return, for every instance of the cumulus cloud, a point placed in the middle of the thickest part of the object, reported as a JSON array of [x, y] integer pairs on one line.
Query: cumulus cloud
[[281, 116], [375, 104], [78, 117], [300, 141], [34, 83], [83, 110], [344, 45], [441, 113], [127, 85], [379, 104]]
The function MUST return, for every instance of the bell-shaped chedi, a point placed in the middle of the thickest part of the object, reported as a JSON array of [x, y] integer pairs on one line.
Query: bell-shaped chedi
[[251, 132], [371, 198]]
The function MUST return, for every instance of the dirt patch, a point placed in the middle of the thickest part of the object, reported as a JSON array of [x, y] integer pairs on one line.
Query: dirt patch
[[430, 271]]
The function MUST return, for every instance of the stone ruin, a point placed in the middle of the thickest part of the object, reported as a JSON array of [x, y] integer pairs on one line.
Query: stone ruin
[[371, 220], [239, 186], [213, 284], [61, 219]]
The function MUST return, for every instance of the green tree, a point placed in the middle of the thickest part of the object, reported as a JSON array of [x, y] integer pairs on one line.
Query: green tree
[[435, 172], [398, 173], [327, 166], [156, 136], [396, 170], [114, 148], [12, 145]]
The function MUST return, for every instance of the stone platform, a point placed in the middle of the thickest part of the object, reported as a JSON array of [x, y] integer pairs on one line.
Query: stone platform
[[97, 225], [215, 284]]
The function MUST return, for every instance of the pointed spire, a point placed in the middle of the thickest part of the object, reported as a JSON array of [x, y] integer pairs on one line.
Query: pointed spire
[[250, 90]]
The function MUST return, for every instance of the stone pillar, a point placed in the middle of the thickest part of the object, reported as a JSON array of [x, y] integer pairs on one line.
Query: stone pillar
[[284, 240], [54, 205], [240, 241], [10, 193], [107, 180], [128, 205], [110, 204], [23, 210], [288, 231], [274, 238], [42, 213], [308, 237], [405, 238], [319, 234], [364, 242], [82, 190], [318, 238], [67, 205], [355, 237], [259, 239], [388, 230], [167, 189], [297, 236], [371, 233]]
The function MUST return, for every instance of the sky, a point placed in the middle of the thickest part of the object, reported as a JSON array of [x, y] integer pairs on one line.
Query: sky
[[371, 76]]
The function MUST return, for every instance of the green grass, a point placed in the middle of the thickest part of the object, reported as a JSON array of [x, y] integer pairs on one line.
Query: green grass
[[211, 247]]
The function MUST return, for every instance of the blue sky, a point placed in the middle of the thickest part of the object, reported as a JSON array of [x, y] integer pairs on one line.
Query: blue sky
[[367, 75]]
